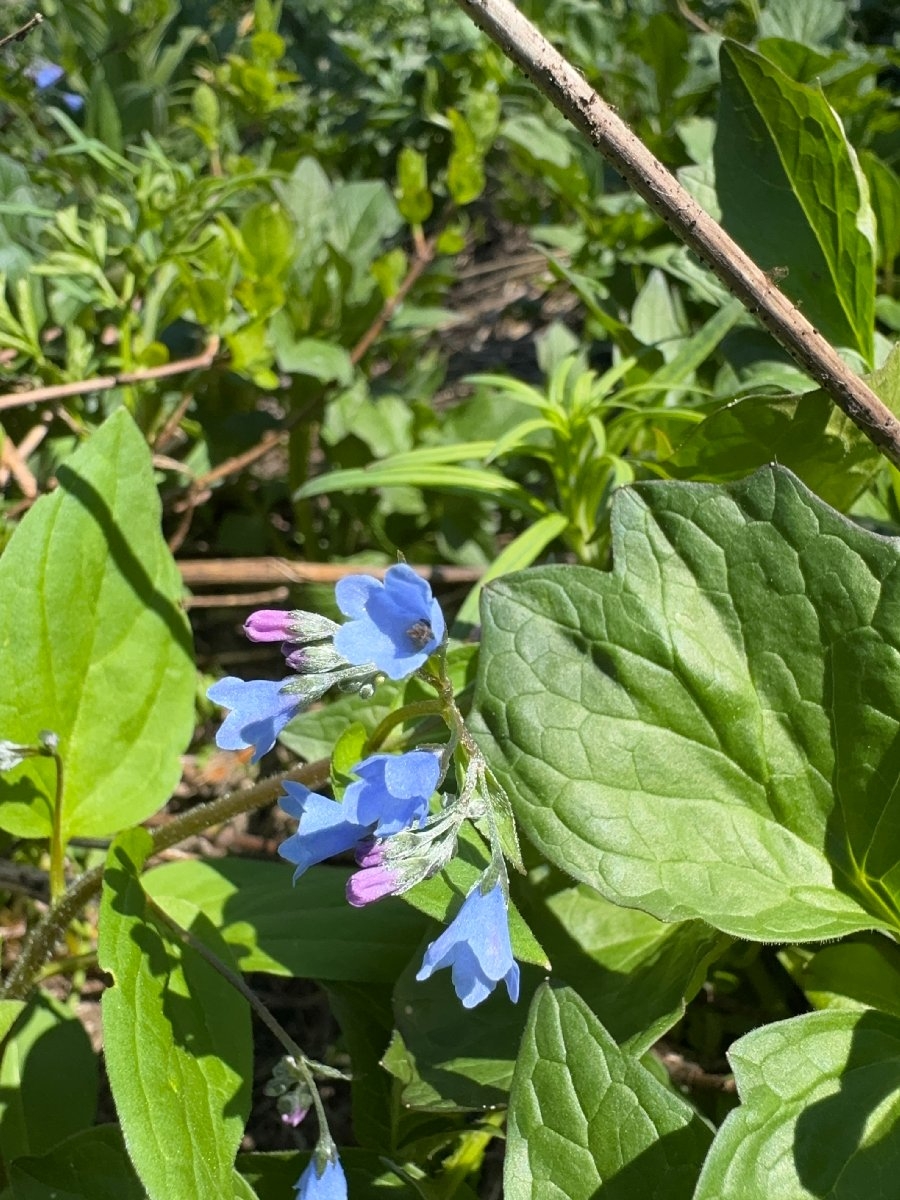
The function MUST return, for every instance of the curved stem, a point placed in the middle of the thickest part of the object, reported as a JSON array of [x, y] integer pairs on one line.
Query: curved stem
[[43, 936]]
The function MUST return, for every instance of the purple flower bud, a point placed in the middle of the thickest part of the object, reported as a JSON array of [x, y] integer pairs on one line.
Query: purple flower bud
[[370, 853], [282, 625], [370, 884], [294, 1117]]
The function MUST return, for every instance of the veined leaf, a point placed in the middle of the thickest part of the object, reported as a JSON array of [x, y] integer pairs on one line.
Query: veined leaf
[[820, 1101], [587, 1121], [710, 729]]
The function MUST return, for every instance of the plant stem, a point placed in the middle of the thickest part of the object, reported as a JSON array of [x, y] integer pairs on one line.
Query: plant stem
[[567, 89], [57, 849]]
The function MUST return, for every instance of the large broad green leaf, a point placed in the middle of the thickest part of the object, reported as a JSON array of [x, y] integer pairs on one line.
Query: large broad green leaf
[[48, 1080], [710, 729], [94, 645], [308, 931], [588, 1122], [177, 1039], [635, 972], [820, 1104], [792, 193]]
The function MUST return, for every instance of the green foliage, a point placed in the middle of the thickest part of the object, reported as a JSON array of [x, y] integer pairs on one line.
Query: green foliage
[[178, 1048], [573, 1084], [286, 241], [103, 659], [723, 684]]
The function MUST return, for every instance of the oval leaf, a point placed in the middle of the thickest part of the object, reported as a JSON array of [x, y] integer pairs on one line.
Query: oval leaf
[[710, 729], [588, 1122], [94, 644], [177, 1038]]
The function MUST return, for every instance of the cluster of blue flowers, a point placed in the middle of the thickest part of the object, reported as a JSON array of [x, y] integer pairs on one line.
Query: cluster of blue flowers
[[386, 816]]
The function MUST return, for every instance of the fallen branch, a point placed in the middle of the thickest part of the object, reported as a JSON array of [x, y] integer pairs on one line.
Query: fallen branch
[[568, 91], [216, 572], [105, 383]]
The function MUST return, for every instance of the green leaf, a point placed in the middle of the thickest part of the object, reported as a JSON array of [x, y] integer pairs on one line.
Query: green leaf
[[884, 185], [325, 361], [9, 1011], [463, 481], [805, 433], [862, 972], [94, 644], [307, 931], [48, 1080], [363, 214], [413, 195], [587, 1121], [636, 973], [465, 169], [449, 1058], [521, 552], [819, 1102], [793, 195], [708, 730], [92, 1165], [268, 236], [177, 1039]]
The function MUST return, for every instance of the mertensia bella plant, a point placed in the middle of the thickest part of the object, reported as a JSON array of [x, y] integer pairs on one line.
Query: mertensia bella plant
[[402, 814]]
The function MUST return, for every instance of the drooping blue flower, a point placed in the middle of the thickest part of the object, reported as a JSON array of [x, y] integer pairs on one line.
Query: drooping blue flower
[[260, 709], [393, 790], [396, 624], [330, 1185], [327, 827], [476, 946]]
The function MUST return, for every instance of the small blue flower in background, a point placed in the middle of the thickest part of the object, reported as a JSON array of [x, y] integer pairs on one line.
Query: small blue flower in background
[[393, 790], [477, 947], [330, 1185], [396, 624], [260, 709], [327, 827], [46, 74]]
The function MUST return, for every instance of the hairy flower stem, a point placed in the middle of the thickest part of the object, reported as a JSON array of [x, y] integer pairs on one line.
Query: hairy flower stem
[[44, 935], [57, 849], [307, 1067]]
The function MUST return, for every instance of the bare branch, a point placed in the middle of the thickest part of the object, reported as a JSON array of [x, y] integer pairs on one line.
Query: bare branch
[[22, 33]]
